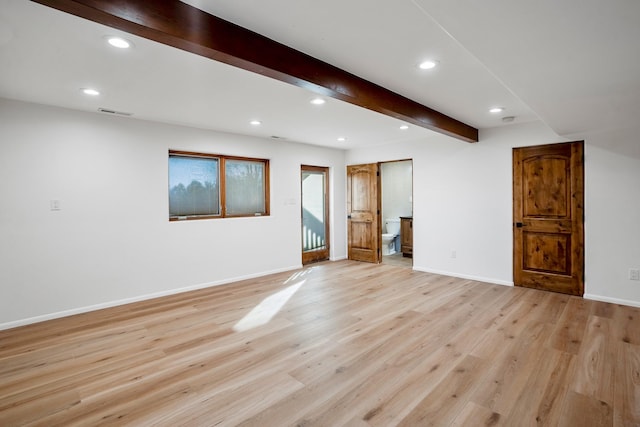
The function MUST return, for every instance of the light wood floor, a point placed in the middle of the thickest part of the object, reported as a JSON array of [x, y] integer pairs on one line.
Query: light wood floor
[[351, 344], [397, 259]]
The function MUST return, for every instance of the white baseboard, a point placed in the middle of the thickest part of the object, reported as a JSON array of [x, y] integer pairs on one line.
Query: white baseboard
[[601, 298], [80, 310], [464, 276]]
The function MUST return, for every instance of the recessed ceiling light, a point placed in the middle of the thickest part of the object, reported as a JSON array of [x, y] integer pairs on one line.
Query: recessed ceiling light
[[119, 42], [89, 91], [255, 122], [404, 127], [342, 139], [318, 101], [428, 64], [496, 110]]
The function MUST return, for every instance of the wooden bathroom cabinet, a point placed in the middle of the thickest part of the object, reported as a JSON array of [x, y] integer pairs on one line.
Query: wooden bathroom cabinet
[[406, 236]]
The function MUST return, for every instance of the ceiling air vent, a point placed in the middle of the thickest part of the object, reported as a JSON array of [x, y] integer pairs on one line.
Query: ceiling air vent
[[117, 113]]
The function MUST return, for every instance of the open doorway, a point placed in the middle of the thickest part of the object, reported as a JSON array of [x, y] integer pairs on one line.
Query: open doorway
[[396, 181]]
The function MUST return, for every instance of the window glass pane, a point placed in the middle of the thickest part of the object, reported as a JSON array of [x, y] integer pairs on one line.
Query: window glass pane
[[193, 186], [313, 210], [245, 187]]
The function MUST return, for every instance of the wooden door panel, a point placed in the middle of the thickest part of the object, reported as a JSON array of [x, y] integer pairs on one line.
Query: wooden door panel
[[547, 253], [546, 187], [363, 212], [548, 197], [361, 192], [362, 235]]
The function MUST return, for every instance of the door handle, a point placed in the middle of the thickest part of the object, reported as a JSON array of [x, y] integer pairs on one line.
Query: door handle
[[519, 225], [348, 216]]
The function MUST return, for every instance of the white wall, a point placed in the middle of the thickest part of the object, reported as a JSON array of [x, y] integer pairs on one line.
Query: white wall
[[612, 223], [463, 203], [111, 241]]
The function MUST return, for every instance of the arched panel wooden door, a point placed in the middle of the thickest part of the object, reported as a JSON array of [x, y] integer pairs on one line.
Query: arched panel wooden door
[[363, 212], [548, 216]]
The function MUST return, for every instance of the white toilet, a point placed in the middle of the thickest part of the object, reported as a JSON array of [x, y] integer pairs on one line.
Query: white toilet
[[392, 228]]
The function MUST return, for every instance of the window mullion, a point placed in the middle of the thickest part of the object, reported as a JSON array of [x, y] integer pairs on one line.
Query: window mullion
[[223, 187]]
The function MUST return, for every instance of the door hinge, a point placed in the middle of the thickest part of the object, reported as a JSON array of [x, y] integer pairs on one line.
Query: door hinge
[[378, 211]]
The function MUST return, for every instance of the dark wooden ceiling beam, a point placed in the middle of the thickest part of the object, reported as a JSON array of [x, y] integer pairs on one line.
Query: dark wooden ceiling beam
[[180, 25]]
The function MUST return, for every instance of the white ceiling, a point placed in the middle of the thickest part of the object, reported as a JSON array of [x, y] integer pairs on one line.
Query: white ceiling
[[575, 64]]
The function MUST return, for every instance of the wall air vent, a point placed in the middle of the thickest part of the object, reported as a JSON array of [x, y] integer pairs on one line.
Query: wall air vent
[[117, 113]]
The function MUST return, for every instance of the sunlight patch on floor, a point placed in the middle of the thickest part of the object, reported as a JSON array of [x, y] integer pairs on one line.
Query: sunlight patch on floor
[[299, 275], [267, 309]]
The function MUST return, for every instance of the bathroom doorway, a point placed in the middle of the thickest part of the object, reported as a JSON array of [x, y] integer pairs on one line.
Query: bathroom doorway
[[396, 181], [315, 213]]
